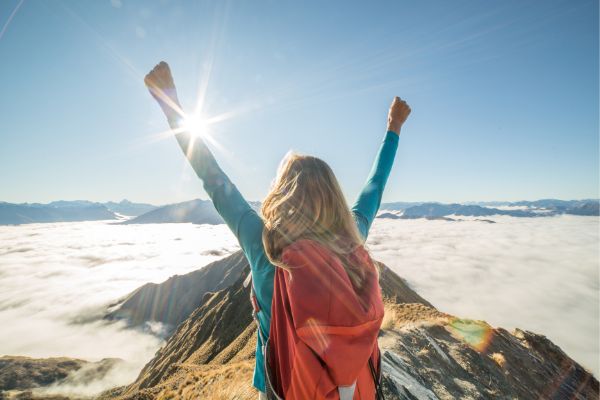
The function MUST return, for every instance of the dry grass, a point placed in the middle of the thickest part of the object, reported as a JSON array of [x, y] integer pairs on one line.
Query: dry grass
[[499, 358], [389, 318], [422, 352], [218, 382], [411, 314]]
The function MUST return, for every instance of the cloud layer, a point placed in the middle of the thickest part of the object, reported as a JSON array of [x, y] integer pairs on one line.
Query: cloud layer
[[539, 274], [56, 280]]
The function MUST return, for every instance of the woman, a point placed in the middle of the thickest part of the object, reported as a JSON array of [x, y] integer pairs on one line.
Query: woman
[[322, 219]]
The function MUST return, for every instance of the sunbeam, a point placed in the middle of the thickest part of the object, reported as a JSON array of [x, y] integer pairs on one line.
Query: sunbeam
[[124, 62], [10, 17]]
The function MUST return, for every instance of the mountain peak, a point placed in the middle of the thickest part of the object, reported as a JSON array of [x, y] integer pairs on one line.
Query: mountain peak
[[426, 353]]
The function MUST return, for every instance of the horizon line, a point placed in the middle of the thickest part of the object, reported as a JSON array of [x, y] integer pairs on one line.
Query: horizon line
[[259, 201]]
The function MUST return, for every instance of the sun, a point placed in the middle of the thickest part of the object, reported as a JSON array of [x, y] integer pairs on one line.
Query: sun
[[196, 124]]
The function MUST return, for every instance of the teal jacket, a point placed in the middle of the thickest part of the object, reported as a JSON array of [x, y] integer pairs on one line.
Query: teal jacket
[[247, 225]]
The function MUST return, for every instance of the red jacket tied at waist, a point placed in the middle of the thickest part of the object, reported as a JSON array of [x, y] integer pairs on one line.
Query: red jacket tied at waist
[[323, 331]]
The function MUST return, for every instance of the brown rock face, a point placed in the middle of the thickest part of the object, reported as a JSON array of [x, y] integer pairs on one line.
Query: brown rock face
[[452, 358], [172, 301]]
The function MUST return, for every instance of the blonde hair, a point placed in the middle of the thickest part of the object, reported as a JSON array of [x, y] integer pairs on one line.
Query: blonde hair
[[306, 202]]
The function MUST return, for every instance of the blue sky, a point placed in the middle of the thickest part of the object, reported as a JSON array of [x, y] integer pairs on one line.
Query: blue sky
[[504, 95]]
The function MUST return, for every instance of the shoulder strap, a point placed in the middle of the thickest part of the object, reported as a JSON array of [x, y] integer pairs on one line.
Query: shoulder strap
[[377, 378], [263, 340]]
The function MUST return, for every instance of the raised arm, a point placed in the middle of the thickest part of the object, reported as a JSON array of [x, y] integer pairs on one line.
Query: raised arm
[[367, 204], [229, 202]]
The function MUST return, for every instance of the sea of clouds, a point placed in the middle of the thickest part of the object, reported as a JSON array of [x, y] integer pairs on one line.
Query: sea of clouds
[[539, 274], [56, 281]]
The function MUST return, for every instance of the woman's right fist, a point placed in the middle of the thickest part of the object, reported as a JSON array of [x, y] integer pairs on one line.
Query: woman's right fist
[[399, 111], [159, 82]]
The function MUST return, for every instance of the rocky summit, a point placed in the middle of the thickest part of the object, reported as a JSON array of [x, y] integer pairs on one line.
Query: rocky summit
[[427, 354]]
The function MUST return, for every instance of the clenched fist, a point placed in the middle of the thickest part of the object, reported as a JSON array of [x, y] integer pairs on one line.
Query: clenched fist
[[160, 84], [399, 111]]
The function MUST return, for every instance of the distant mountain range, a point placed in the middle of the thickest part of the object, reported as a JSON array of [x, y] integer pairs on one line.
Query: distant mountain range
[[441, 211], [538, 208], [126, 207], [551, 204], [203, 212], [15, 214], [68, 211], [194, 211]]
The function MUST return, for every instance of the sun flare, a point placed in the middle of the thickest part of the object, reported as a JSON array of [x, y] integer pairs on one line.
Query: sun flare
[[197, 124]]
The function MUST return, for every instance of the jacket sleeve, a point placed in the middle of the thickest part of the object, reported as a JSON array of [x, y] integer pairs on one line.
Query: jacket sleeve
[[367, 204], [243, 221], [325, 317]]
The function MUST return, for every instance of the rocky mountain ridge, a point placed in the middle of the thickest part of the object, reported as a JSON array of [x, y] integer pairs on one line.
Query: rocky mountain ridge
[[427, 354]]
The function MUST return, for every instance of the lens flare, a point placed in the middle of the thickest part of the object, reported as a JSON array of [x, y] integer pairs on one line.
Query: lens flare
[[196, 124], [477, 334]]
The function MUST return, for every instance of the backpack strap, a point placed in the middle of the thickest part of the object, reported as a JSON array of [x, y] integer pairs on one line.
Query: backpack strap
[[264, 341], [376, 374]]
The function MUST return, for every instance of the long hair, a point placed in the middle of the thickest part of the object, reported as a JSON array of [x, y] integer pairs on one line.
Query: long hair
[[306, 202]]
